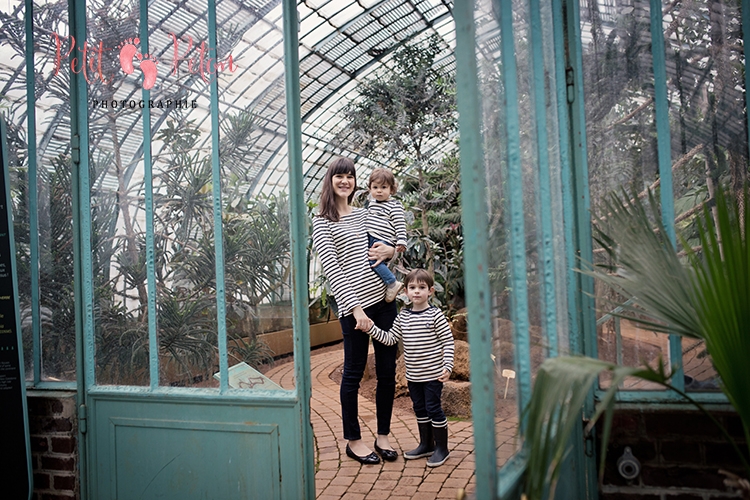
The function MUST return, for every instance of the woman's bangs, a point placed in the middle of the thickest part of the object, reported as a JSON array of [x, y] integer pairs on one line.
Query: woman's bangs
[[342, 166]]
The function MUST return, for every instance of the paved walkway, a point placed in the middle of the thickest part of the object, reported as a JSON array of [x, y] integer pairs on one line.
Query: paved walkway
[[338, 477]]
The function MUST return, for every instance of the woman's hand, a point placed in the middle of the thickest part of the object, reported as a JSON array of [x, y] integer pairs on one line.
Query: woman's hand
[[380, 252], [364, 323]]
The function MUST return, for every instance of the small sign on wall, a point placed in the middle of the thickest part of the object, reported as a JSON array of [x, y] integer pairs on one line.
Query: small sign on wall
[[15, 456]]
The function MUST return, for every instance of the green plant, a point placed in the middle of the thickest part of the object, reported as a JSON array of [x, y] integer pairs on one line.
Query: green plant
[[401, 111], [705, 295], [441, 248], [252, 351]]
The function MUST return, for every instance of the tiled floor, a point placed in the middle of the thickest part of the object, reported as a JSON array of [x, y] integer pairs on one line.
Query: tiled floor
[[338, 477]]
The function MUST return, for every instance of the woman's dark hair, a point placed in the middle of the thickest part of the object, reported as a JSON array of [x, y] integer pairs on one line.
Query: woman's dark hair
[[327, 206]]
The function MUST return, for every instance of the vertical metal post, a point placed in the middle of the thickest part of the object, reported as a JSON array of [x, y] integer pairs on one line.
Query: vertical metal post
[[582, 341], [544, 194], [221, 314], [36, 334], [474, 219], [664, 151], [568, 203], [148, 187], [81, 237], [520, 295], [298, 227]]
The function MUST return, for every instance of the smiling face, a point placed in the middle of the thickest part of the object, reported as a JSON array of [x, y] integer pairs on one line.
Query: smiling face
[[419, 294], [380, 191], [343, 185]]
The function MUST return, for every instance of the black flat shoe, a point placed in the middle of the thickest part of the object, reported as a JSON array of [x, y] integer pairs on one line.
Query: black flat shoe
[[371, 459], [388, 455]]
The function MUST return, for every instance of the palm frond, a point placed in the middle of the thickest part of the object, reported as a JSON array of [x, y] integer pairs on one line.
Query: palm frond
[[560, 390], [705, 296]]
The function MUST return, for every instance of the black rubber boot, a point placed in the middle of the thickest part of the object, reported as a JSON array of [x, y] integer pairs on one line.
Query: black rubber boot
[[441, 447], [426, 445]]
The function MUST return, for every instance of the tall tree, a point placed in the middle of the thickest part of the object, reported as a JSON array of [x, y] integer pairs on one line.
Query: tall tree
[[404, 108]]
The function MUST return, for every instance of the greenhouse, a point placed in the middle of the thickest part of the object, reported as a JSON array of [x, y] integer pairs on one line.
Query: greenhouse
[[573, 177]]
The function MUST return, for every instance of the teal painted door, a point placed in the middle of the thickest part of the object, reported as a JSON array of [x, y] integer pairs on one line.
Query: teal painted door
[[182, 265], [525, 201], [562, 103]]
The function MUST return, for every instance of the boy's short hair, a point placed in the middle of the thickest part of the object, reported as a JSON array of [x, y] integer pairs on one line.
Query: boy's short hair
[[384, 176], [419, 276]]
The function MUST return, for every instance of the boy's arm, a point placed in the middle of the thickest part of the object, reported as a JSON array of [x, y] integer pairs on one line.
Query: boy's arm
[[399, 223], [389, 337], [445, 335]]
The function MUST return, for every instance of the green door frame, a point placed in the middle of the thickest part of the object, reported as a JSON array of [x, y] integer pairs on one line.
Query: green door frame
[[581, 318], [578, 234], [285, 408]]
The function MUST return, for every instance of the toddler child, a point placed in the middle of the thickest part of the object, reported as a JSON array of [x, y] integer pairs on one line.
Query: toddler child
[[385, 224], [428, 354]]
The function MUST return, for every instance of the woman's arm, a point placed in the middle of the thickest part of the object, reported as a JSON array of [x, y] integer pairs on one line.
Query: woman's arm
[[364, 323], [380, 252]]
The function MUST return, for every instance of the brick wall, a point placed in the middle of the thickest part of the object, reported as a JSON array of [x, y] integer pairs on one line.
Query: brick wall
[[680, 452], [53, 431]]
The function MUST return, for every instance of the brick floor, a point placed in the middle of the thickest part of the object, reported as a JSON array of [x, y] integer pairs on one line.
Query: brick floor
[[338, 477]]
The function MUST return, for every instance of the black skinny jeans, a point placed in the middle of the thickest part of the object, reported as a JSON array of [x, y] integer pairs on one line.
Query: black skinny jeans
[[356, 345]]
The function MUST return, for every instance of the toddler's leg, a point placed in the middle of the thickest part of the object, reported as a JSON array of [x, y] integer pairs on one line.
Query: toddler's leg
[[385, 274]]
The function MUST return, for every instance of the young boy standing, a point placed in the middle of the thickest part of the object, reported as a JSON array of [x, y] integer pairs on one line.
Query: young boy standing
[[386, 224], [428, 353]]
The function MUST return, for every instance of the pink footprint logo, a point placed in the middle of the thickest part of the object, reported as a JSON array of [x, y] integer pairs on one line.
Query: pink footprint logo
[[147, 65], [128, 50]]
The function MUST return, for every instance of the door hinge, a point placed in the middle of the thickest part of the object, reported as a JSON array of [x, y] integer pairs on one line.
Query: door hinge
[[75, 144], [570, 84], [588, 438], [82, 425]]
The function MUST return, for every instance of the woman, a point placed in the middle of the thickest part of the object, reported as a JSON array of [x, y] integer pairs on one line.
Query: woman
[[340, 238]]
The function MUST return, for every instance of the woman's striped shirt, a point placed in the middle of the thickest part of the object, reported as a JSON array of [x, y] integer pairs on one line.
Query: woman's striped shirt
[[428, 342], [342, 248]]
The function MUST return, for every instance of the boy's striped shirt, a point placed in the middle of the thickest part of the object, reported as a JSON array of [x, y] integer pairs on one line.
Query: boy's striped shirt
[[342, 248], [428, 342]]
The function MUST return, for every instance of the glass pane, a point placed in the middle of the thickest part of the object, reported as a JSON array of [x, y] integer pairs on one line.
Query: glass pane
[[620, 128], [187, 328], [178, 68], [252, 113], [541, 192], [51, 309], [706, 86], [489, 67], [14, 103], [116, 176], [54, 200]]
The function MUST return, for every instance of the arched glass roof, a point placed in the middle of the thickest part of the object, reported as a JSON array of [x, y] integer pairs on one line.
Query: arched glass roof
[[342, 42]]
